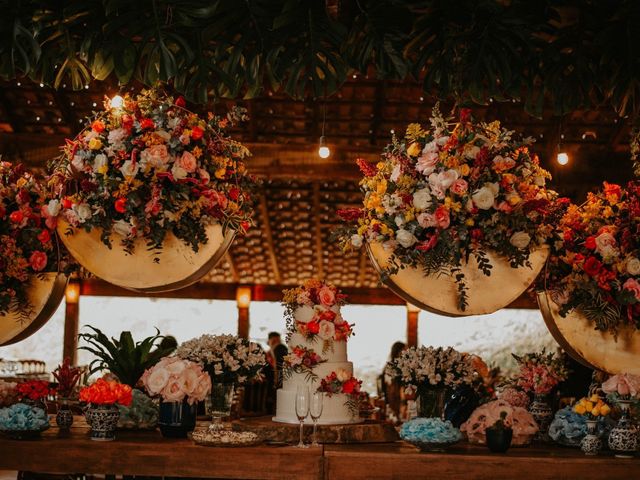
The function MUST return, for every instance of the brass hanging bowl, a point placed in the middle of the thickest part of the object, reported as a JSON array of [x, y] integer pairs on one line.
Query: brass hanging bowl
[[176, 266], [45, 293], [439, 293], [593, 348]]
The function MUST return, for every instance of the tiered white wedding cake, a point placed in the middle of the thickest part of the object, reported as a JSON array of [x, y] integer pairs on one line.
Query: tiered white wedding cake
[[317, 359]]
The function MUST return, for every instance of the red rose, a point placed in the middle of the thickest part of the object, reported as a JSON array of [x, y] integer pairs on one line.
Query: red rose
[[2, 211], [66, 203], [97, 126], [180, 102], [442, 217], [477, 234], [38, 260], [465, 115], [16, 217], [313, 327], [44, 236], [127, 121], [234, 193], [121, 205], [328, 315], [147, 124], [590, 243], [245, 226], [611, 189], [428, 244], [592, 266], [197, 133]]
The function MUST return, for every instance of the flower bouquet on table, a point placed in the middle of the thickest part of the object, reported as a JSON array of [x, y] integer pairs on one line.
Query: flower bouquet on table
[[341, 382], [67, 377], [443, 196], [30, 284], [229, 360], [592, 408], [595, 267], [127, 359], [485, 416], [35, 392], [623, 438], [102, 399], [148, 175], [180, 384], [539, 374], [313, 311]]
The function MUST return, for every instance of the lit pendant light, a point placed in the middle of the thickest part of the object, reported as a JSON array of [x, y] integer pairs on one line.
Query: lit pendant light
[[323, 149]]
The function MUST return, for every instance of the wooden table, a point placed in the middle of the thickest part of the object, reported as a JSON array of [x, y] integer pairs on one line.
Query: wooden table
[[149, 454], [471, 462]]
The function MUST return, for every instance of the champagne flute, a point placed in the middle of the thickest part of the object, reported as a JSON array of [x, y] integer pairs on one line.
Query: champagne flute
[[302, 410], [315, 411]]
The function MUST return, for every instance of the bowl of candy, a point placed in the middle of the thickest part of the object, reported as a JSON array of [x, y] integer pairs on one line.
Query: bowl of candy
[[430, 434], [23, 422]]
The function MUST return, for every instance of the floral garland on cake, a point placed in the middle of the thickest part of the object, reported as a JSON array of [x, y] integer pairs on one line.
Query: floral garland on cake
[[150, 167], [595, 267], [326, 324], [342, 382], [226, 358], [301, 360], [424, 367], [27, 237], [441, 195]]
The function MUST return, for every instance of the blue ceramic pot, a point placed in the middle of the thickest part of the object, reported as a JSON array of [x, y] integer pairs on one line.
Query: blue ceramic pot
[[177, 419]]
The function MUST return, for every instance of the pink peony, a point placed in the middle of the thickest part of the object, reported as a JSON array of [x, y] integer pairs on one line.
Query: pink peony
[[156, 156], [633, 286], [327, 296], [624, 384], [427, 161], [188, 162], [38, 260], [460, 186]]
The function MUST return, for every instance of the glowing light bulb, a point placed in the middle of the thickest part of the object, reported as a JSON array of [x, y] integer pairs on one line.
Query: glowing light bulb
[[563, 158], [323, 150], [116, 102]]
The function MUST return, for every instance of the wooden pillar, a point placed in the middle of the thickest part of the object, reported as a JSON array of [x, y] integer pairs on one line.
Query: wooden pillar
[[412, 325], [71, 321], [243, 299]]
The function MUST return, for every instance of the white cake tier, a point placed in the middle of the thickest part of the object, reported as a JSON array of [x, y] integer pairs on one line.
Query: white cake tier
[[336, 351], [334, 409], [321, 371]]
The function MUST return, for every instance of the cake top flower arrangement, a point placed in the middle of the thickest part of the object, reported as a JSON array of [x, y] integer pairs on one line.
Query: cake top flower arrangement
[[174, 380], [226, 358], [148, 167], [595, 268], [592, 407], [105, 392], [27, 238], [443, 194], [539, 373], [312, 310], [624, 385], [420, 367]]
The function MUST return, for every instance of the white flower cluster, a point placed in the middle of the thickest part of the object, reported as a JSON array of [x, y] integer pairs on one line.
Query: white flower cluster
[[434, 366], [227, 358]]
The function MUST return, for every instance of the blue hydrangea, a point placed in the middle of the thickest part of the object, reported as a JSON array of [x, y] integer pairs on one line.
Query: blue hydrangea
[[568, 428], [430, 430], [23, 417]]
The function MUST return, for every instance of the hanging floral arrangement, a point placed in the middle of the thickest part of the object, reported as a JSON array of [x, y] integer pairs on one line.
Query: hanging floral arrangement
[[595, 267], [444, 194], [27, 237], [146, 167]]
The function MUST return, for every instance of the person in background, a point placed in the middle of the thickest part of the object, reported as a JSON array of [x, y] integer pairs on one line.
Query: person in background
[[391, 388], [275, 356]]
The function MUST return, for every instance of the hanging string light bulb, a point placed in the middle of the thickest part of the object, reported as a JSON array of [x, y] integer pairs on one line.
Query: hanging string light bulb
[[323, 148]]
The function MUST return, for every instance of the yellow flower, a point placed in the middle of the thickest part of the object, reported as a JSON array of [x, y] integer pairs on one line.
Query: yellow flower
[[414, 149], [197, 152], [381, 187], [464, 170], [95, 143], [103, 169], [595, 398], [605, 409], [595, 411], [514, 199], [579, 409], [588, 406], [452, 205], [409, 215], [414, 131], [221, 172], [21, 182], [469, 222]]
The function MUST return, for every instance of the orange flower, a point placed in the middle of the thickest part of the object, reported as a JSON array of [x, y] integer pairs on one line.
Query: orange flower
[[104, 392]]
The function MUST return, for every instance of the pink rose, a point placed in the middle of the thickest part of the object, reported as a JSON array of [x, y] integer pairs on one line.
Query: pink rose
[[460, 186], [326, 296], [426, 163], [427, 220], [633, 286], [623, 384], [188, 162], [606, 244], [204, 176], [38, 260], [156, 156], [173, 391], [440, 182], [442, 218], [155, 380], [189, 379], [202, 389], [327, 330]]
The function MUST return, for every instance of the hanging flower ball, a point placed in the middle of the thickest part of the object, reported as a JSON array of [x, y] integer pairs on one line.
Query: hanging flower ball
[[146, 167], [27, 248]]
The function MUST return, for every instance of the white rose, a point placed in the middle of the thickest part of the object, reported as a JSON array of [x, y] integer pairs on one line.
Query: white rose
[[483, 198], [178, 172], [53, 208], [342, 375], [356, 240], [157, 380], [494, 187], [99, 161], [606, 245], [129, 169], [405, 238], [83, 212], [122, 228], [327, 330], [633, 266], [539, 181], [115, 137], [422, 199], [520, 240], [77, 162], [471, 152], [395, 174]]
